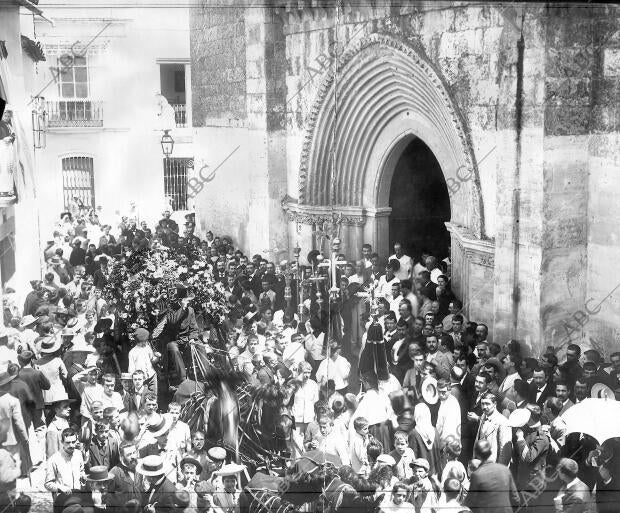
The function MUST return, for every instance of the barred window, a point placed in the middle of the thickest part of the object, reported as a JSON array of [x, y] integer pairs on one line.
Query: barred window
[[78, 180]]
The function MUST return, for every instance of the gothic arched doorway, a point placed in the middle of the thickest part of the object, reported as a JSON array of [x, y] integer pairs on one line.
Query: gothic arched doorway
[[420, 202]]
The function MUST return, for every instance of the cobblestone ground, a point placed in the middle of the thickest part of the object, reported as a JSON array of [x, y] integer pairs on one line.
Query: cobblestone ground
[[33, 486]]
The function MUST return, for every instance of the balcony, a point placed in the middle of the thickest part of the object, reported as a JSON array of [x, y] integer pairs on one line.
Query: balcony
[[180, 114], [74, 113]]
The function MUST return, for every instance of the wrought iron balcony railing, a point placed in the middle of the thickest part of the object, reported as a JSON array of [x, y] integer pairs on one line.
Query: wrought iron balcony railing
[[77, 112]]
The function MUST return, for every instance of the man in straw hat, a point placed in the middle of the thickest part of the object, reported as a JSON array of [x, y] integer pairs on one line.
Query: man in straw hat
[[158, 429], [228, 498], [98, 481], [158, 487], [27, 334], [60, 422]]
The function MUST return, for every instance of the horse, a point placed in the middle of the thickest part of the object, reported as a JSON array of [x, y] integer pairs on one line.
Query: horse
[[272, 494], [251, 423]]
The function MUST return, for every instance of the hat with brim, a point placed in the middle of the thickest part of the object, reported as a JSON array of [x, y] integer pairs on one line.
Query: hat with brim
[[519, 417], [188, 460], [160, 426], [50, 345], [98, 474], [217, 453], [230, 469], [72, 323], [7, 377], [126, 376], [28, 320], [67, 332], [152, 466], [602, 391], [61, 402], [420, 463], [181, 499], [386, 459]]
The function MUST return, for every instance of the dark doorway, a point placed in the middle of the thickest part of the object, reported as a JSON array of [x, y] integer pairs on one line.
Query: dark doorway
[[420, 203]]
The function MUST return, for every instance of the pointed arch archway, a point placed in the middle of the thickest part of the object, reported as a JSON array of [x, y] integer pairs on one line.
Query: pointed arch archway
[[384, 95]]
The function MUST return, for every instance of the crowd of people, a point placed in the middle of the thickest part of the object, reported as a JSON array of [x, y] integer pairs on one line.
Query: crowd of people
[[387, 376]]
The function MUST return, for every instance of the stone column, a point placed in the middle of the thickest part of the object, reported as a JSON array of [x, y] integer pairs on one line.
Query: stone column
[[266, 98]]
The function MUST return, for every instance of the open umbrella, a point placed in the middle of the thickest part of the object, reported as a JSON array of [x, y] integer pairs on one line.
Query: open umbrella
[[599, 418]]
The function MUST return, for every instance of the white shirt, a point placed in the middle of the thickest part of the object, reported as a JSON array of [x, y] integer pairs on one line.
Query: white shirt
[[449, 420], [296, 352], [394, 304], [337, 370], [140, 359], [384, 287], [114, 400], [539, 392], [374, 407], [436, 273], [406, 267], [303, 402]]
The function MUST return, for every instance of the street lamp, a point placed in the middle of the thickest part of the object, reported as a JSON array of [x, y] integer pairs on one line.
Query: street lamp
[[167, 143]]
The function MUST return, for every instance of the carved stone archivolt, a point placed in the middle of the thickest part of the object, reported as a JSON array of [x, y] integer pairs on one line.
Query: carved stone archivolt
[[364, 102]]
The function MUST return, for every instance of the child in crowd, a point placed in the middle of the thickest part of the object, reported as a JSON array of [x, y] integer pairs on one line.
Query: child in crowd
[[452, 451], [397, 500], [403, 455], [328, 440], [358, 445]]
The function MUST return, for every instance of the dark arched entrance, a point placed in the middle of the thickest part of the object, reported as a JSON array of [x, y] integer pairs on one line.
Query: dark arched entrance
[[420, 203]]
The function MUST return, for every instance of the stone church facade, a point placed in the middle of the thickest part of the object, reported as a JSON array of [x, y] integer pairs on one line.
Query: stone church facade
[[302, 113]]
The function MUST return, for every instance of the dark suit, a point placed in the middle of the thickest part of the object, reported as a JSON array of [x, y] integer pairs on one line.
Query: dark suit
[[162, 495], [17, 388], [549, 391], [492, 490], [36, 382], [124, 487]]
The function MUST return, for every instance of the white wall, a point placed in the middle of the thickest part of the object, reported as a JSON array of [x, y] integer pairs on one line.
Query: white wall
[[125, 76]]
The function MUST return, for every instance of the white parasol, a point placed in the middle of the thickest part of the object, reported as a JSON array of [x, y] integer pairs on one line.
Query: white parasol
[[599, 418]]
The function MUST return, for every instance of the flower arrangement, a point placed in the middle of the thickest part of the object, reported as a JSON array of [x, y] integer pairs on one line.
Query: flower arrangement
[[143, 284]]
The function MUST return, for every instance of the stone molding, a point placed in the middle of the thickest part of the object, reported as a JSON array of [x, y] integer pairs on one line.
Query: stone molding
[[313, 215], [476, 250], [329, 80]]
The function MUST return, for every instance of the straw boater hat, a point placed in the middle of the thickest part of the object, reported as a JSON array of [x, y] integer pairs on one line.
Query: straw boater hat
[[51, 344], [602, 391], [152, 466], [98, 474], [28, 320], [160, 425], [217, 453], [519, 417], [230, 469]]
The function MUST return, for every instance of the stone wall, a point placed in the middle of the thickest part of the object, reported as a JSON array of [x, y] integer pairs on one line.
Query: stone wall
[[218, 48], [541, 119]]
